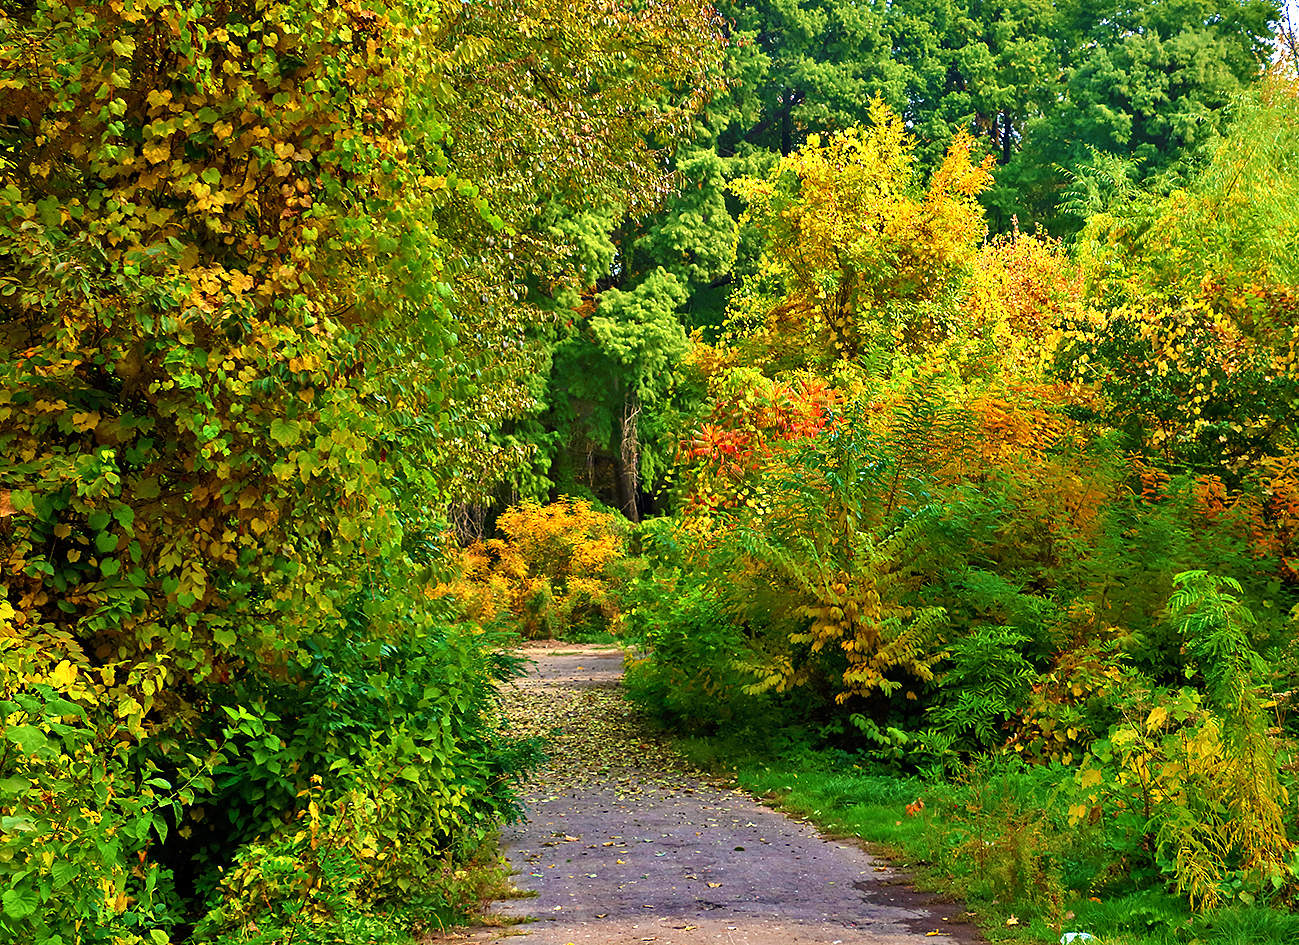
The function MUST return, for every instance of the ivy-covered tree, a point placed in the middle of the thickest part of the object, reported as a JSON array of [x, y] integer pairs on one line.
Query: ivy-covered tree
[[256, 328]]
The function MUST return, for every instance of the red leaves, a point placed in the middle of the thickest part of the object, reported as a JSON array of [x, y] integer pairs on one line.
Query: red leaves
[[741, 433]]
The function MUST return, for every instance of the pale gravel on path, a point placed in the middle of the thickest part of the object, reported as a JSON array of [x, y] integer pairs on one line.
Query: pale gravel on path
[[624, 845]]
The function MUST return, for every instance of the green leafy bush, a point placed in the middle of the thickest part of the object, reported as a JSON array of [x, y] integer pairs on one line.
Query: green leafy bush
[[984, 685], [1187, 781], [414, 718], [686, 673], [81, 810]]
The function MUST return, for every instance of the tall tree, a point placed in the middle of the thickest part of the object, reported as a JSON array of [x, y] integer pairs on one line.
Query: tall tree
[[1039, 83]]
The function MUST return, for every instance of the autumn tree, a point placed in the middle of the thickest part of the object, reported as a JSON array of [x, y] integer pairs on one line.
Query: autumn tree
[[857, 253], [1192, 337]]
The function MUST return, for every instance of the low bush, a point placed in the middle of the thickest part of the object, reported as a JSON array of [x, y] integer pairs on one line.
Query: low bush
[[556, 570], [685, 672], [1187, 781], [387, 753]]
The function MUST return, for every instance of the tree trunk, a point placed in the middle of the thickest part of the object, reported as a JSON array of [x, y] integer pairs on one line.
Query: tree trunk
[[627, 461]]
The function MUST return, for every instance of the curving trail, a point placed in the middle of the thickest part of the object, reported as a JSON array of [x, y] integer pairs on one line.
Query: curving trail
[[623, 845]]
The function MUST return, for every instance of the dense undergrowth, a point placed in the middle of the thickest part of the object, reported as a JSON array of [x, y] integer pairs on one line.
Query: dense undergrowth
[[1014, 521]]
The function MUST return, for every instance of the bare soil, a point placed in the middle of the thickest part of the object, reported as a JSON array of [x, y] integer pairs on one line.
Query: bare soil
[[625, 844]]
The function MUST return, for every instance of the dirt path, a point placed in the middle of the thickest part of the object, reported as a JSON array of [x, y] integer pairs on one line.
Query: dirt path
[[625, 845]]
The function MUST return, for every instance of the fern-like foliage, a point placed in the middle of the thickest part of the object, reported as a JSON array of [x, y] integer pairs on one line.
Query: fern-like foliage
[[1189, 778], [987, 683], [1213, 622], [828, 557]]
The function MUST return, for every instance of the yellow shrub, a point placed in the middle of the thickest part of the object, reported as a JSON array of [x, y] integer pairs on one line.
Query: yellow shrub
[[556, 568]]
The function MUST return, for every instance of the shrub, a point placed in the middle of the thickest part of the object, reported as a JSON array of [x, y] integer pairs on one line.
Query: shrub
[[984, 686], [558, 569], [822, 560], [414, 716], [81, 809], [686, 673], [1188, 780], [308, 883]]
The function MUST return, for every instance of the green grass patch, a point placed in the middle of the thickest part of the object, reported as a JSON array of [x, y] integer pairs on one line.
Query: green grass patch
[[993, 840]]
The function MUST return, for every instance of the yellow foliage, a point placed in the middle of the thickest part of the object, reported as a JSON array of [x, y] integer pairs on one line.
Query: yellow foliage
[[557, 567], [860, 250], [1177, 770], [1022, 290]]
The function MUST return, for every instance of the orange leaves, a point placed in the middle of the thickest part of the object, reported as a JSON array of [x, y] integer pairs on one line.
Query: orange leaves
[[743, 429], [1154, 480], [556, 568], [1211, 494], [1016, 425]]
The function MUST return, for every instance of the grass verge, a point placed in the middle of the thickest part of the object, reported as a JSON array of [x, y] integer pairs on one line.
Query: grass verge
[[995, 841]]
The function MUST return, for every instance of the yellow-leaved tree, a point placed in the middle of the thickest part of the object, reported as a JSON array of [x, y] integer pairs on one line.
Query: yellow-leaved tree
[[858, 252]]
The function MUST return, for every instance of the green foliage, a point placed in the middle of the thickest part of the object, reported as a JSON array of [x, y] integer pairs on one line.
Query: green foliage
[[80, 810], [1191, 780], [638, 331], [1038, 83], [416, 716], [308, 883], [286, 287], [687, 675], [612, 375], [823, 558], [695, 239], [1195, 283], [974, 480], [613, 381], [987, 682]]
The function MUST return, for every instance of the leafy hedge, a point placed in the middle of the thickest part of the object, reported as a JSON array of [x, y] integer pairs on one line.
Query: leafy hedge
[[239, 391]]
